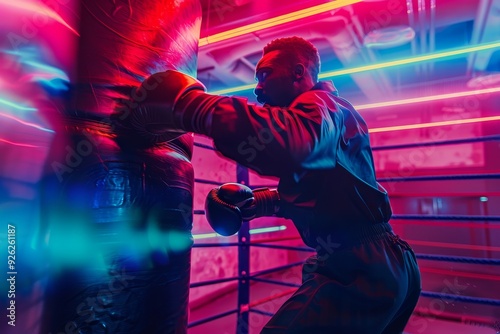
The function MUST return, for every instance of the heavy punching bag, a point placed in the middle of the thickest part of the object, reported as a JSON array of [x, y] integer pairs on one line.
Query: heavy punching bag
[[117, 218]]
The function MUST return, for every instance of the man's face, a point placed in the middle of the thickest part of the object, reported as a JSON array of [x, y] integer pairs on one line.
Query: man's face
[[275, 80]]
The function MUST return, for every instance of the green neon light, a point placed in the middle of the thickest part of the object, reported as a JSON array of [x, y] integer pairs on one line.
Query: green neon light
[[412, 60], [252, 231], [267, 229], [16, 106]]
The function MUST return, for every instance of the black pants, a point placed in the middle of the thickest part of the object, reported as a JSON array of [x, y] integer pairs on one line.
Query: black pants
[[368, 289]]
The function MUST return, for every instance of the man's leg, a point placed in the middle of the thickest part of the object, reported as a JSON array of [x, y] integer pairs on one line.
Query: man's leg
[[398, 323], [359, 290]]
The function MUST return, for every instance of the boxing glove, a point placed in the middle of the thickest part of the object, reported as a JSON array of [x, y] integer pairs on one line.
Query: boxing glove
[[228, 205], [165, 106]]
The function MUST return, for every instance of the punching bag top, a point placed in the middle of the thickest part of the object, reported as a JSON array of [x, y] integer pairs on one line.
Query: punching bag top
[[121, 44]]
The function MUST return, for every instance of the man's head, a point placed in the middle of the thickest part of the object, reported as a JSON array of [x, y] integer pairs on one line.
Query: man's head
[[289, 66]]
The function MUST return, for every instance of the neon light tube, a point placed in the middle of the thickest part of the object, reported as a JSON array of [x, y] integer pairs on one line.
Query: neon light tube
[[17, 144], [427, 98], [234, 89], [205, 236], [36, 126], [412, 60], [252, 231], [247, 29], [434, 124], [267, 229], [417, 99], [16, 106], [393, 63]]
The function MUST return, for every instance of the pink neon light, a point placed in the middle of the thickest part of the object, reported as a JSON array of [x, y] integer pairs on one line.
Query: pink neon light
[[17, 144], [448, 224], [453, 245], [460, 273], [434, 124], [33, 125], [428, 98]]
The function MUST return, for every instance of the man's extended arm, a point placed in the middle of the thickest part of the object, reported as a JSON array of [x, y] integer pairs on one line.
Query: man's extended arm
[[270, 140]]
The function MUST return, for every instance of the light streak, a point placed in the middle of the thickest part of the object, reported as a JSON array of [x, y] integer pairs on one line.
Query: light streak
[[37, 8], [33, 125], [434, 124], [17, 144], [252, 231], [429, 98], [272, 22], [388, 64]]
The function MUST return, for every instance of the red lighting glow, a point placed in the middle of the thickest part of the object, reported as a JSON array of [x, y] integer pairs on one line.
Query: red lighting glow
[[428, 98], [36, 126], [434, 124], [17, 144]]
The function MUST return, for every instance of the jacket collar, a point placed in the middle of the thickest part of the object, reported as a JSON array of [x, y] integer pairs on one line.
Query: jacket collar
[[326, 86]]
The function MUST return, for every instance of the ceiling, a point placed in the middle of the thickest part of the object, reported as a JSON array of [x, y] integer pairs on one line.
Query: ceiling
[[360, 34]]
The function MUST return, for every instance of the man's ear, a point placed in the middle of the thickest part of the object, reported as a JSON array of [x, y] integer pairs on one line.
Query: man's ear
[[299, 71]]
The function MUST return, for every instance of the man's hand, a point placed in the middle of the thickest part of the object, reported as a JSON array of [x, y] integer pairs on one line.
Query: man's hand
[[228, 205], [152, 114]]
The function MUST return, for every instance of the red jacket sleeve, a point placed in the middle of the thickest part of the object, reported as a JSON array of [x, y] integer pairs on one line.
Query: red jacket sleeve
[[278, 141]]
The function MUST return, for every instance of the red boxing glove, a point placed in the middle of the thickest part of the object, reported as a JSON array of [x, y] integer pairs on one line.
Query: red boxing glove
[[158, 109], [228, 205]]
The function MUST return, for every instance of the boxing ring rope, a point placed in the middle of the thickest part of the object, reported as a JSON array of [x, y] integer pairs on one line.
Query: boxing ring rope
[[446, 217], [453, 245], [447, 296], [211, 318], [207, 182], [428, 144], [245, 307], [427, 178], [208, 147], [441, 177], [214, 281], [458, 259]]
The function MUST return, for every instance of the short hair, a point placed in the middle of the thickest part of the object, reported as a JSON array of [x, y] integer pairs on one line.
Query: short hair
[[299, 48]]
